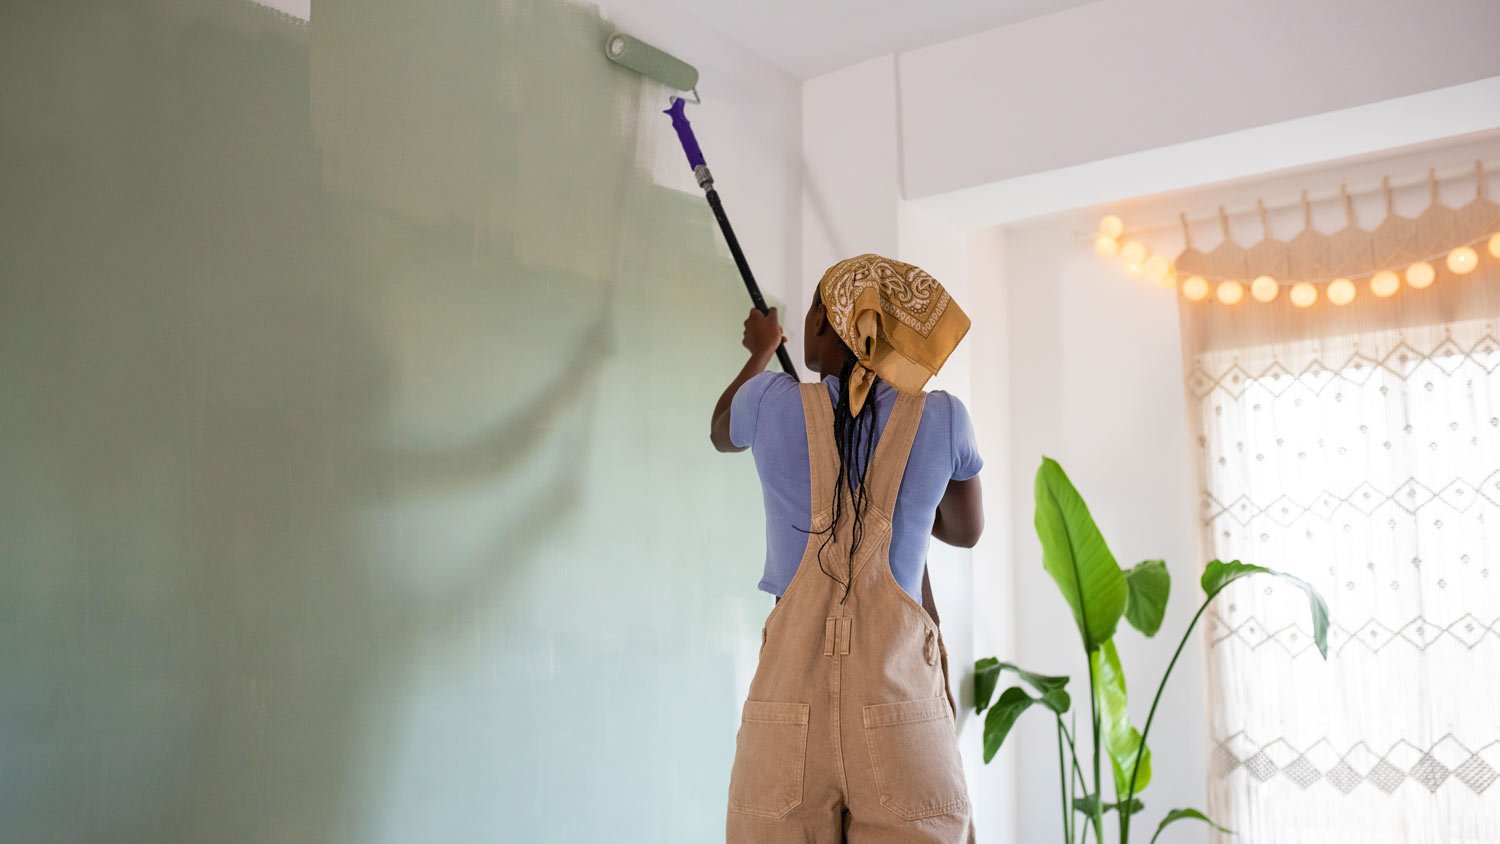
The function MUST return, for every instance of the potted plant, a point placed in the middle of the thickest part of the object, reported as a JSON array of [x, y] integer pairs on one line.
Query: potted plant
[[1099, 593]]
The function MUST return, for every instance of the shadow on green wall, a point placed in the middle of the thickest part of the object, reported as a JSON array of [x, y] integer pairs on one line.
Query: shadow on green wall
[[351, 440]]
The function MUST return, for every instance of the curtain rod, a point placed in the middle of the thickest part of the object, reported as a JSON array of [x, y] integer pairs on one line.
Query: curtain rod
[[1488, 167]]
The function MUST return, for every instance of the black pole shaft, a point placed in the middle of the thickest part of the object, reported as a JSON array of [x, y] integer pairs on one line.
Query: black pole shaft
[[749, 278]]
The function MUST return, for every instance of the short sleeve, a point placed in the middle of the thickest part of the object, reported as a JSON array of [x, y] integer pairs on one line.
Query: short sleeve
[[966, 459], [744, 408]]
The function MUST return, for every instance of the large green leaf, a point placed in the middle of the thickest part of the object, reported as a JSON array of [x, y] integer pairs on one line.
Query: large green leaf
[[1121, 739], [1218, 575], [1186, 814], [987, 676], [1148, 584], [1074, 553], [1014, 701]]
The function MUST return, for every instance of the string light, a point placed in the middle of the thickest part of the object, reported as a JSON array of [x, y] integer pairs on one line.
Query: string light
[[1156, 268], [1134, 255], [1138, 261], [1195, 288], [1303, 294], [1264, 289], [1420, 275], [1341, 291], [1463, 260]]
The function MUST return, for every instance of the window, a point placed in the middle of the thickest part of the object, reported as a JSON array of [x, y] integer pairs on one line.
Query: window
[[1369, 465]]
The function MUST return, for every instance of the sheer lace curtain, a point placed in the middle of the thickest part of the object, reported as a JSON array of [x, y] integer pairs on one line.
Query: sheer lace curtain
[[1358, 448]]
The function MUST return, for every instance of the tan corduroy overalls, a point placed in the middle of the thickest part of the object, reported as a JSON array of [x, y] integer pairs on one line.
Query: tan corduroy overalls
[[848, 730]]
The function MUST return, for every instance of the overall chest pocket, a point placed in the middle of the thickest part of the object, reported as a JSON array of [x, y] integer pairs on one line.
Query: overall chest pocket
[[769, 759], [914, 754]]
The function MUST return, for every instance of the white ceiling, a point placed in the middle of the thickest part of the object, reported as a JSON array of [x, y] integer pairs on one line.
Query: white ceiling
[[807, 38]]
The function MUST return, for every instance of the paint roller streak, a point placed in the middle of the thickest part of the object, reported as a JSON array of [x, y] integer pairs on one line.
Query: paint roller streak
[[655, 64], [650, 62]]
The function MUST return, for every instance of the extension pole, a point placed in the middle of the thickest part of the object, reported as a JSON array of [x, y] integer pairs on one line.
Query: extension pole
[[706, 182]]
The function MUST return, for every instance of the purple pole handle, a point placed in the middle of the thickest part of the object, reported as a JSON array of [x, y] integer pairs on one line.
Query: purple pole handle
[[685, 133]]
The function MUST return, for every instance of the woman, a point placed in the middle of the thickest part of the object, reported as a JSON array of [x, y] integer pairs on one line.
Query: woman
[[848, 730]]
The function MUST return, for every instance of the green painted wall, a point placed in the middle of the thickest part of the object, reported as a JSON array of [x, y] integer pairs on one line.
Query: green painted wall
[[354, 476]]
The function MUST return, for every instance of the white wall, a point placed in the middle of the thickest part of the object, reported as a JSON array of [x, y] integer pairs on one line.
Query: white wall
[[850, 174], [1120, 76], [991, 404], [1095, 382]]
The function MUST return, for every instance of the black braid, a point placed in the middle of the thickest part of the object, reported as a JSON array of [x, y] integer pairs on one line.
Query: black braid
[[854, 437]]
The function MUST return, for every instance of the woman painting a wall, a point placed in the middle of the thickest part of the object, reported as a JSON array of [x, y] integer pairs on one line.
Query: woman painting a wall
[[848, 729]]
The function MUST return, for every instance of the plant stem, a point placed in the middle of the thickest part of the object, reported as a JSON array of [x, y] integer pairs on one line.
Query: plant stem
[[1150, 716], [1062, 775], [1077, 778], [1073, 751], [1098, 815]]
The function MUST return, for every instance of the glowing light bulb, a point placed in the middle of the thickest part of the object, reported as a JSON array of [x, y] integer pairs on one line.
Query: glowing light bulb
[[1195, 288], [1463, 260], [1264, 289], [1384, 283], [1341, 291], [1230, 292], [1106, 247], [1170, 279], [1420, 275], [1303, 294], [1111, 226], [1134, 255], [1156, 268], [1495, 244]]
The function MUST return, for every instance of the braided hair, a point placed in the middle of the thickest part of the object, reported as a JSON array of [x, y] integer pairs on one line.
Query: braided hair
[[854, 439]]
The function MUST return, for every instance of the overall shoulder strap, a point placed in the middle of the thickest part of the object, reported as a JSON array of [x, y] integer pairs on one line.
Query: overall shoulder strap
[[822, 460], [891, 453]]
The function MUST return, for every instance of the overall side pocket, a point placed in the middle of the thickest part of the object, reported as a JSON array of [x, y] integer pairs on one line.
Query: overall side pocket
[[769, 759], [914, 753]]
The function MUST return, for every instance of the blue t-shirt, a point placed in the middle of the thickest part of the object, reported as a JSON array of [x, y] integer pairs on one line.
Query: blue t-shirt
[[766, 415]]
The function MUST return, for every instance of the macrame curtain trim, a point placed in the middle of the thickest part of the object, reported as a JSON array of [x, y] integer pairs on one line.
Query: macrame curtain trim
[[1430, 764], [1351, 252], [1295, 639]]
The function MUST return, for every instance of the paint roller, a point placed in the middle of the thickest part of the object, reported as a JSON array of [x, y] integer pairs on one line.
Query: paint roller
[[678, 75]]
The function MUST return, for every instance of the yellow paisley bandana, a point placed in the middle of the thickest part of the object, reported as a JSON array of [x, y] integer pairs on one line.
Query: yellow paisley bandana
[[898, 320]]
